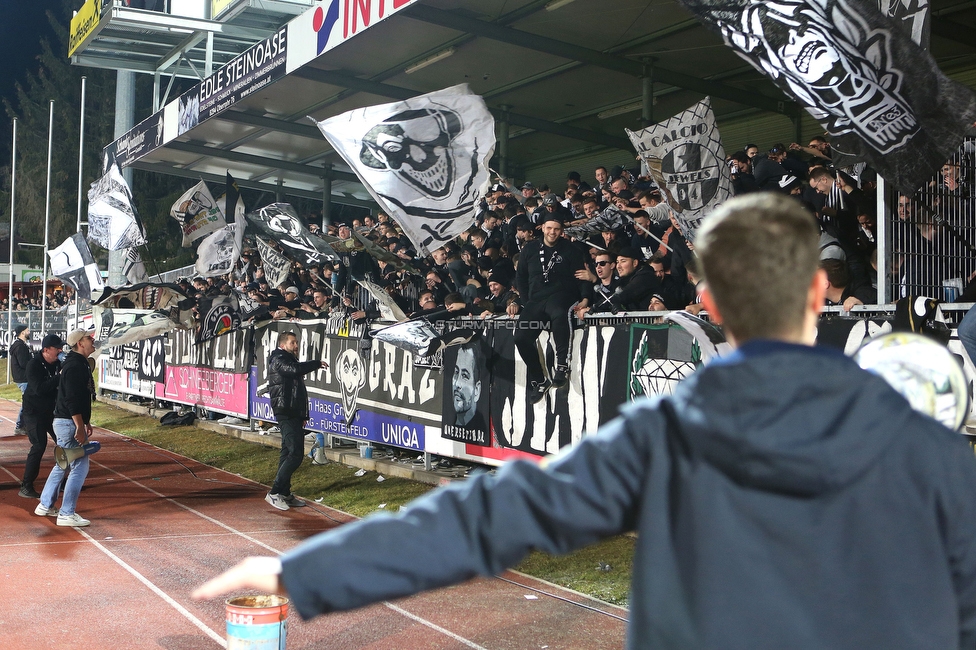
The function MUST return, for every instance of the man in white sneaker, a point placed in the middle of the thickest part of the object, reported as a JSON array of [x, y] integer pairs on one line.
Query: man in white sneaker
[[72, 427], [289, 401]]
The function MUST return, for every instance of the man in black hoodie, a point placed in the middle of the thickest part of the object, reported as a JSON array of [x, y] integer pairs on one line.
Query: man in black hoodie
[[783, 496], [289, 401], [19, 355]]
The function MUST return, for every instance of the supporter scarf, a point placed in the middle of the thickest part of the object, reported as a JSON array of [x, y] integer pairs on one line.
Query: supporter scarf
[[685, 153], [276, 266], [72, 261], [881, 96], [198, 213], [112, 219], [424, 160]]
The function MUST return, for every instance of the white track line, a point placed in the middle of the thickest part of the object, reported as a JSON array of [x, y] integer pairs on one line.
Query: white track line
[[156, 590], [422, 621], [391, 606]]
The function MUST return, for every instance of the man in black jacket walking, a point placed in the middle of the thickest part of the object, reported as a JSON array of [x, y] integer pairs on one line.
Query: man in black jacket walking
[[43, 375], [289, 401], [19, 355]]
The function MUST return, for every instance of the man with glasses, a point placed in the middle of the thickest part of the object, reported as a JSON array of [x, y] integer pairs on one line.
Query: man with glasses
[[605, 283], [72, 428]]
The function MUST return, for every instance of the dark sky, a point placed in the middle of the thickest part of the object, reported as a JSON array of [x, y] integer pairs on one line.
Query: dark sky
[[22, 26]]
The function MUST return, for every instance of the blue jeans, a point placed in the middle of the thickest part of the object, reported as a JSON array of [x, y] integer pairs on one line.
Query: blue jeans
[[20, 413], [64, 430], [967, 333]]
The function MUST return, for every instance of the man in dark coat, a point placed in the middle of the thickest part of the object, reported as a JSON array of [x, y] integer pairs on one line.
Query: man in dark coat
[[43, 374], [783, 496], [289, 401], [548, 290], [19, 354], [638, 281]]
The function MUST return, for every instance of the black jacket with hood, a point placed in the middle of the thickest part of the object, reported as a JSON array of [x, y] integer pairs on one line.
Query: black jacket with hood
[[784, 498], [286, 386]]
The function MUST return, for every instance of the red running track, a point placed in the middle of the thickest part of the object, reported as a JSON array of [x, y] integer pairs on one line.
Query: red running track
[[163, 523]]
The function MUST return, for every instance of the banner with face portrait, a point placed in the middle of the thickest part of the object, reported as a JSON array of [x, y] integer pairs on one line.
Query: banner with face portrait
[[467, 402], [424, 160], [688, 151], [859, 73]]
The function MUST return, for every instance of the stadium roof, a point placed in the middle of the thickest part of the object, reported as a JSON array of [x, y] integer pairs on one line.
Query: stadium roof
[[562, 77]]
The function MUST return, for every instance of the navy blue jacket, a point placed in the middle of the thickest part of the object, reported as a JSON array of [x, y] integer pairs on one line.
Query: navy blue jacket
[[784, 498]]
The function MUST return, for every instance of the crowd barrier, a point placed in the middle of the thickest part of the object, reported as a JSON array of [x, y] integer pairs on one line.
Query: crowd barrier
[[469, 405]]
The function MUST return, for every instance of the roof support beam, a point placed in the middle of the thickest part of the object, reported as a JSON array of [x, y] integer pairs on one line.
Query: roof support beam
[[586, 55], [295, 128], [261, 161], [396, 92], [953, 31], [162, 168]]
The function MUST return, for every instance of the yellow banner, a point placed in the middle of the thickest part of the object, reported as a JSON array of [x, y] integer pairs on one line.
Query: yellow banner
[[84, 23], [217, 6]]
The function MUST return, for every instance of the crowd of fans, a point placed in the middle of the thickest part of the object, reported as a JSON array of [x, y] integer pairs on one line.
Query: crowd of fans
[[56, 299], [644, 262]]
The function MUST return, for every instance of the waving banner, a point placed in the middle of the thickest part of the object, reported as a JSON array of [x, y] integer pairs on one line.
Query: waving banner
[[424, 160], [688, 150], [218, 253], [280, 222], [198, 213], [858, 72], [112, 220], [226, 313], [72, 261], [276, 266]]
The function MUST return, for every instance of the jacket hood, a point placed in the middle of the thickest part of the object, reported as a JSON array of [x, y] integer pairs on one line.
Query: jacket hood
[[789, 418]]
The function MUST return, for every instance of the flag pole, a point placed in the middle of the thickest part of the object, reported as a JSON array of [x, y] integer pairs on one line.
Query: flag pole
[[47, 215], [81, 167], [10, 290]]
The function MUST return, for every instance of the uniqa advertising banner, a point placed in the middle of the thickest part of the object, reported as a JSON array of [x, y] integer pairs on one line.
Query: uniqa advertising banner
[[371, 390]]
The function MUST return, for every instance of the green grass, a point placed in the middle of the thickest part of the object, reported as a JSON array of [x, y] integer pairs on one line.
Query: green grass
[[338, 488]]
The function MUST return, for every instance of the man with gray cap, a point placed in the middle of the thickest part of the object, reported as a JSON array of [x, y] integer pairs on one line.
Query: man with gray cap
[[43, 375], [19, 354], [72, 428]]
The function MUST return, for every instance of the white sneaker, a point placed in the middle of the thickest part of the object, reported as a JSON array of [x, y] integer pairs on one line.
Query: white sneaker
[[275, 429], [41, 511], [277, 501], [230, 419], [75, 520]]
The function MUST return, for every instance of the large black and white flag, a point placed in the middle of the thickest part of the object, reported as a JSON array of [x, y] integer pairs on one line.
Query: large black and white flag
[[198, 213], [144, 327], [226, 313], [276, 266], [913, 16], [72, 261], [610, 218], [688, 151], [424, 160], [881, 96], [218, 252], [280, 222], [112, 220]]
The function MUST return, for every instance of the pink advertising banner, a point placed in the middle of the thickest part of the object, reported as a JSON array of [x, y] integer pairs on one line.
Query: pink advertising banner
[[216, 390]]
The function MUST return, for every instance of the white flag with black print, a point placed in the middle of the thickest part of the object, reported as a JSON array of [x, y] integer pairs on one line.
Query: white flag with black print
[[858, 72], [112, 220], [72, 261], [424, 160], [276, 266], [198, 213], [688, 150], [218, 252]]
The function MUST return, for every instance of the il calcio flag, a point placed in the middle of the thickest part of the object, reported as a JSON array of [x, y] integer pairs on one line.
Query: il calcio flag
[[686, 153], [424, 160]]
